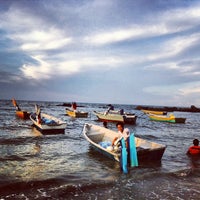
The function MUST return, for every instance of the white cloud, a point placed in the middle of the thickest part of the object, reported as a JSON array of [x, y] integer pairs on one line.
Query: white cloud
[[36, 35], [183, 90], [190, 89], [171, 21], [38, 40], [18, 19], [41, 71], [135, 32], [31, 32], [78, 61], [164, 56], [59, 65]]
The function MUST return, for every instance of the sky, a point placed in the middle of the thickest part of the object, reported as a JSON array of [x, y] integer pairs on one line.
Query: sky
[[140, 52]]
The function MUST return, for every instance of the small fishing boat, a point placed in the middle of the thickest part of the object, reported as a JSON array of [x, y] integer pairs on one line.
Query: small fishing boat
[[48, 124], [23, 114], [115, 116], [76, 113], [146, 150], [170, 118], [155, 112]]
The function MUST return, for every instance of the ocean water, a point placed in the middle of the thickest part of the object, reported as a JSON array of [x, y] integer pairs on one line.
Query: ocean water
[[36, 166]]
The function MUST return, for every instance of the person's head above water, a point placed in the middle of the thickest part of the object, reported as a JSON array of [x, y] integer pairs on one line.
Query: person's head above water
[[196, 142]]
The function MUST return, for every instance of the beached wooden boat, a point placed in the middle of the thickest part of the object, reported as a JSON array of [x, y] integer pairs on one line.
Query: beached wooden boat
[[48, 124], [155, 112], [23, 114], [147, 151], [170, 118], [76, 113], [116, 117]]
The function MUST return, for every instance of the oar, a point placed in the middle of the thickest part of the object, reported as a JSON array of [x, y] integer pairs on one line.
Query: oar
[[123, 159], [37, 109], [15, 104], [132, 151]]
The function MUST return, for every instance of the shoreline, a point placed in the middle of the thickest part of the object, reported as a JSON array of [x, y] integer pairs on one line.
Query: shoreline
[[193, 108]]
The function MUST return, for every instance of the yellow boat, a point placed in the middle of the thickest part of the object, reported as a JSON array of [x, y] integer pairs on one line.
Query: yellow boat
[[76, 113], [171, 118], [155, 112]]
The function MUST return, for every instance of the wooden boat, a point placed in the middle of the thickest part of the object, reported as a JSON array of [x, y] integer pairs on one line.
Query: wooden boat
[[23, 114], [170, 118], [48, 124], [155, 112], [76, 113], [116, 117], [147, 151]]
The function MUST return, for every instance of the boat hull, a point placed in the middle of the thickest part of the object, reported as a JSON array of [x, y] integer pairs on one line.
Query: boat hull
[[55, 128], [171, 119], [49, 131], [127, 119], [155, 112], [23, 114], [146, 151], [76, 114], [180, 120]]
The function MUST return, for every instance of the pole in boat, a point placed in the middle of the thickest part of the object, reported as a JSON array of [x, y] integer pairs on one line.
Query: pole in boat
[[132, 151], [123, 159]]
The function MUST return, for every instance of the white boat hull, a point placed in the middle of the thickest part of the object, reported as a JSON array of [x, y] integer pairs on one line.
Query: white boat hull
[[54, 128], [115, 117], [146, 150]]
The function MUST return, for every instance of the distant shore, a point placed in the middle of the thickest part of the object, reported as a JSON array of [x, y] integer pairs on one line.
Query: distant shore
[[192, 108], [69, 105]]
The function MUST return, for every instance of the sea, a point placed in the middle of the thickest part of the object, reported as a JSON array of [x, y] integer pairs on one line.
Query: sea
[[64, 166]]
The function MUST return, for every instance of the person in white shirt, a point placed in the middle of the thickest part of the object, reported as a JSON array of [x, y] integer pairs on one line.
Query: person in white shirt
[[122, 132]]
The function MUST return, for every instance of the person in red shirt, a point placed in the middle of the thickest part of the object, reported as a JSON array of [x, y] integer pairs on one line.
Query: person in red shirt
[[195, 149]]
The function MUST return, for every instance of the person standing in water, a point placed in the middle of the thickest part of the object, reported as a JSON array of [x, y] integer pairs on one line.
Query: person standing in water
[[122, 132], [195, 149], [74, 106]]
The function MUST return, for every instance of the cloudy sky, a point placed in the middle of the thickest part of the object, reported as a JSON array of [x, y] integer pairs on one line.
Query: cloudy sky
[[144, 52]]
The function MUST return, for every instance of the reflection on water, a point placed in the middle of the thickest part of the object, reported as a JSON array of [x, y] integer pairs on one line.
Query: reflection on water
[[36, 148], [36, 133], [194, 161]]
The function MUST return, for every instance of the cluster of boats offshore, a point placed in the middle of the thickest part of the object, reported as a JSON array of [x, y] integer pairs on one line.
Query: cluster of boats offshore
[[145, 150]]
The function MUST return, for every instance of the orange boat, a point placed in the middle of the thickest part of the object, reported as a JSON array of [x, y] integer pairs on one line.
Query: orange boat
[[20, 113]]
